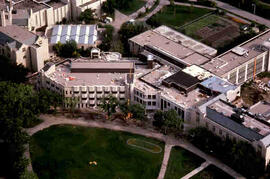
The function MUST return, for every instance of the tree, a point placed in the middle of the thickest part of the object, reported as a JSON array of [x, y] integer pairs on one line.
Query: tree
[[159, 119], [109, 105], [108, 7], [11, 71], [172, 120], [87, 16], [71, 103], [69, 49], [137, 111], [125, 108], [107, 37], [129, 30]]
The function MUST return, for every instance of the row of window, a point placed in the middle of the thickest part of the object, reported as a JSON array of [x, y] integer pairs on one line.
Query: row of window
[[144, 96]]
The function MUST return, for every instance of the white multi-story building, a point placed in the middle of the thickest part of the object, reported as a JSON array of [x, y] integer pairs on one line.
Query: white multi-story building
[[88, 80]]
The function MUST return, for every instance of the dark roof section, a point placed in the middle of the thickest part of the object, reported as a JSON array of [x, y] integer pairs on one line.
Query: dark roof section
[[181, 81], [233, 126]]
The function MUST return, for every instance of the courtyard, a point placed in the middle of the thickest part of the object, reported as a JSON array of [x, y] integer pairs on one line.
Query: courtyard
[[67, 151]]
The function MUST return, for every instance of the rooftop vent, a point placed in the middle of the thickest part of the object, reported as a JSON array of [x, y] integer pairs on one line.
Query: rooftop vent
[[239, 51]]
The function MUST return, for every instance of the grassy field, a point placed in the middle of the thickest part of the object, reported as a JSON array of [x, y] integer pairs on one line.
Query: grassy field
[[212, 172], [65, 152], [191, 29], [134, 5], [181, 162], [176, 17]]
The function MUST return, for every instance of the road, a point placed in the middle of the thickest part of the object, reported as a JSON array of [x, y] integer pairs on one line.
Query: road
[[243, 13]]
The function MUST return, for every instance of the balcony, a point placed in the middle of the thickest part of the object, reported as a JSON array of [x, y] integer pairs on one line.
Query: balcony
[[76, 88], [84, 88]]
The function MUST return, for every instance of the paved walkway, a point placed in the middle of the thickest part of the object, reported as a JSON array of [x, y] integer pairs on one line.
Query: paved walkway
[[165, 161], [50, 120], [243, 13], [197, 170], [194, 5]]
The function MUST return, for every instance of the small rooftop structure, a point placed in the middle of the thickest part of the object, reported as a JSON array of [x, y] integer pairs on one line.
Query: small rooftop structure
[[216, 84], [181, 81], [102, 67], [197, 72], [82, 34]]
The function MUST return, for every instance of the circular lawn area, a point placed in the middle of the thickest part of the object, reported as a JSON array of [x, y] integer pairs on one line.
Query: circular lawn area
[[66, 151]]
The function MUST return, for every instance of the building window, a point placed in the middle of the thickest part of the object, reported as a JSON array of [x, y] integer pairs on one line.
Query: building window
[[23, 49], [169, 104], [165, 104], [70, 92], [154, 96], [153, 103], [220, 132], [213, 128], [149, 103], [149, 96]]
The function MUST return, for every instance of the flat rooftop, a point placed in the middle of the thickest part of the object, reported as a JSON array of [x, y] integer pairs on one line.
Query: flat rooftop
[[217, 84], [29, 4], [186, 41], [262, 109], [235, 57], [151, 83], [65, 77], [164, 44], [253, 125]]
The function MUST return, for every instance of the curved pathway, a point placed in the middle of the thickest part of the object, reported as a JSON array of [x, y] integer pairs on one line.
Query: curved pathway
[[50, 120]]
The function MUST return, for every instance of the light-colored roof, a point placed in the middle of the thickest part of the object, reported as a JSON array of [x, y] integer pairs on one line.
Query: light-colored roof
[[63, 76], [183, 53], [186, 41], [102, 65], [217, 84], [235, 57], [82, 34], [197, 71]]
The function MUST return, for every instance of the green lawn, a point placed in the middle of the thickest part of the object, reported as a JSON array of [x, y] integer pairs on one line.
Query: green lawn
[[65, 152], [191, 29], [212, 172], [182, 15], [181, 162], [134, 5]]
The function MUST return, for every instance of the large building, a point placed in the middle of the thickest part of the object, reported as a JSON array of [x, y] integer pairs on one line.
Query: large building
[[238, 124], [89, 80], [243, 62], [171, 47], [34, 14], [23, 47]]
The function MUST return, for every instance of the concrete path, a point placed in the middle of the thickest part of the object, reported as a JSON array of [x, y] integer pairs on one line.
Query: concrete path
[[165, 161], [50, 120], [197, 170], [243, 13], [119, 19]]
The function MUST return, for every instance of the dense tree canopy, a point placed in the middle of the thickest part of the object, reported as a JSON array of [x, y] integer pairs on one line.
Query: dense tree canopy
[[239, 155], [67, 50], [87, 16], [129, 30], [12, 72], [109, 104]]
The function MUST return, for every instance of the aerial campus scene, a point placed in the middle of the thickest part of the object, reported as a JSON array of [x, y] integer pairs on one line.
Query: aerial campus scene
[[134, 89]]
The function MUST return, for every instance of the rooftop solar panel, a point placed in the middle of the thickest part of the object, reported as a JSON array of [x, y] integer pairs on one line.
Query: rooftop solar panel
[[74, 30], [82, 39], [56, 30], [64, 30], [54, 39], [83, 30]]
